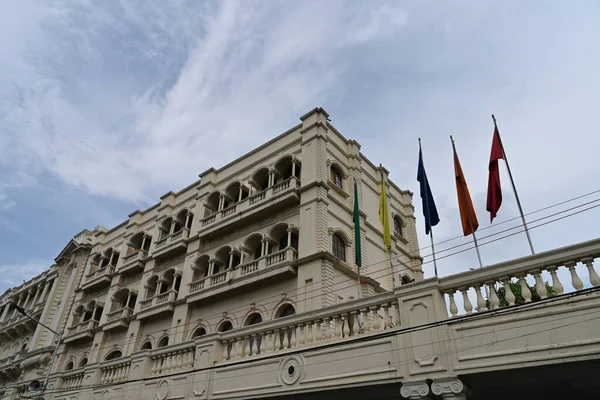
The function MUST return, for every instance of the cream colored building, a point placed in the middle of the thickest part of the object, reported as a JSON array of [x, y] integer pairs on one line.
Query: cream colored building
[[243, 285], [267, 235]]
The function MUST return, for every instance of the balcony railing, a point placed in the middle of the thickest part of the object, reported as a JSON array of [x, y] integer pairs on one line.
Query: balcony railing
[[246, 204], [72, 380], [101, 272], [115, 372], [184, 233], [338, 323], [173, 358], [285, 255], [125, 312], [158, 299], [84, 326], [490, 280]]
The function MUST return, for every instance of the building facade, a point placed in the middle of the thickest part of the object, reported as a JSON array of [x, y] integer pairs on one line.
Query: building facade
[[268, 236]]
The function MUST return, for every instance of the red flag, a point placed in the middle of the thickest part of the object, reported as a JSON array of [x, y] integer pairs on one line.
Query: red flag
[[494, 194]]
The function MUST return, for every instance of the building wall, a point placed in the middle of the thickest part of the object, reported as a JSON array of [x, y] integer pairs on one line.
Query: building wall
[[314, 206]]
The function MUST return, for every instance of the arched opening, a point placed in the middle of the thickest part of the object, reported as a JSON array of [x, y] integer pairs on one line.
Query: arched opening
[[163, 342], [221, 259], [336, 176], [236, 192], [212, 204], [151, 287], [253, 246], [338, 247], [253, 319], [406, 279], [200, 268], [398, 225], [123, 298], [95, 263], [147, 345], [285, 310], [180, 221], [83, 362], [139, 241], [69, 366], [164, 228], [169, 281], [24, 346], [198, 332], [286, 168], [260, 180], [225, 326], [113, 355]]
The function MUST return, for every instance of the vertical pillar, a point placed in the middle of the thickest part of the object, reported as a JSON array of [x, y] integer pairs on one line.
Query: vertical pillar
[[230, 263], [27, 299], [172, 227], [221, 200], [19, 304], [289, 237], [5, 313], [241, 255], [211, 267], [143, 242], [240, 193], [45, 290], [293, 166]]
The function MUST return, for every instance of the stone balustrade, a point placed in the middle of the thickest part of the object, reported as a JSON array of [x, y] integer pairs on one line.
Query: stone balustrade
[[72, 380], [106, 271], [338, 323], [125, 312], [285, 255], [478, 289], [167, 297], [84, 326], [115, 371], [135, 256], [173, 359], [182, 234], [257, 198]]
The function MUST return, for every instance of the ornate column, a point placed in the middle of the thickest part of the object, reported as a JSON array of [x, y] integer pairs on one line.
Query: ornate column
[[241, 255], [449, 388], [415, 390], [293, 166]]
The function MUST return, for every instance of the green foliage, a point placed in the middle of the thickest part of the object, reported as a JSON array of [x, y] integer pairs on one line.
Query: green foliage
[[515, 288]]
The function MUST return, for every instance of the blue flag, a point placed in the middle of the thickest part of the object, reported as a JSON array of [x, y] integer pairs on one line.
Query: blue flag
[[429, 210]]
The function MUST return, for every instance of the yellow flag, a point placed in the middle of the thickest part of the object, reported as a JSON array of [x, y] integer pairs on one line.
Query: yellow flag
[[384, 215]]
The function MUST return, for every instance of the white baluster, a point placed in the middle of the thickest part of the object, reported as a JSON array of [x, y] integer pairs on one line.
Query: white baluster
[[556, 284], [376, 325], [273, 342], [453, 307], [224, 343], [575, 281], [540, 286], [494, 300], [365, 320], [293, 336], [301, 334], [386, 316], [355, 324], [309, 331], [346, 322], [525, 292], [594, 278], [318, 330], [467, 303], [480, 299], [509, 296]]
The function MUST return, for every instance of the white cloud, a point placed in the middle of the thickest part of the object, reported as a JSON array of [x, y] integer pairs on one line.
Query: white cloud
[[6, 203], [12, 275]]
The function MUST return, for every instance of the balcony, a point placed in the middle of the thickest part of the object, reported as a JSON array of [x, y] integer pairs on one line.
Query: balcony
[[72, 380], [171, 359], [243, 277], [252, 208], [157, 305], [118, 319], [98, 279], [19, 325], [134, 262], [174, 243], [82, 331]]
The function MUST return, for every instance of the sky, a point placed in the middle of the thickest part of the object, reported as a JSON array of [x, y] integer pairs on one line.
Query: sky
[[105, 106]]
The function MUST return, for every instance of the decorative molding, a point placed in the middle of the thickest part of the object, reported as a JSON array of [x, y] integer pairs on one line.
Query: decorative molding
[[447, 386], [414, 390]]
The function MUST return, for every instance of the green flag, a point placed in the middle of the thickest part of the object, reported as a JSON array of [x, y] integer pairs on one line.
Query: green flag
[[356, 217]]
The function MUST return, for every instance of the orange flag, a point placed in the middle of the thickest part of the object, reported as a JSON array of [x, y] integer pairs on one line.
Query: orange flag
[[465, 204]]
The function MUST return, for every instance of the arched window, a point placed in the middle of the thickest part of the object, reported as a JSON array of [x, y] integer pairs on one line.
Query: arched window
[[337, 176], [285, 311], [398, 225], [199, 332], [83, 362], [113, 355], [69, 366], [24, 346], [253, 319], [338, 247], [163, 342], [147, 345], [225, 326], [406, 279]]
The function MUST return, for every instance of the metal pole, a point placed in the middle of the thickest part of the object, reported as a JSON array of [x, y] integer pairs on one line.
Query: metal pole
[[433, 251], [512, 182], [53, 359]]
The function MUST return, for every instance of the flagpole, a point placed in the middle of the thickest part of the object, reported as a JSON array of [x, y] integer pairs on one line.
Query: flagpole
[[470, 218], [514, 188], [429, 215]]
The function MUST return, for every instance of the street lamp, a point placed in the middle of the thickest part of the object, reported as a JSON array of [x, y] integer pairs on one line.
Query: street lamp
[[34, 386]]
